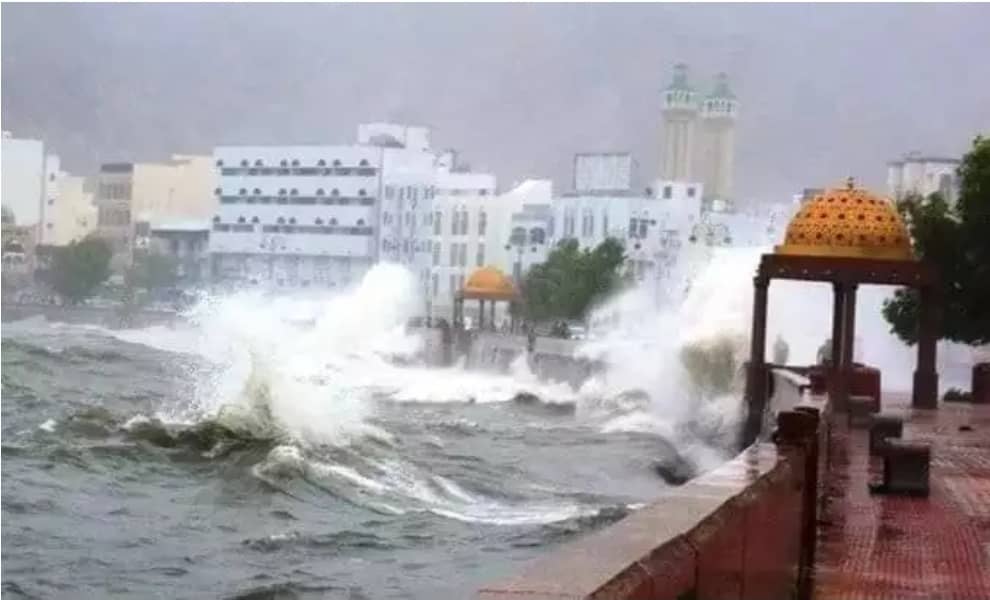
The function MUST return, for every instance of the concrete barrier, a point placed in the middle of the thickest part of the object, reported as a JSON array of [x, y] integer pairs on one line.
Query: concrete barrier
[[738, 532]]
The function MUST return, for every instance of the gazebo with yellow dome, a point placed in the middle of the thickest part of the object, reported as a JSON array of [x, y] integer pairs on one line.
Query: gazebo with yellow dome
[[845, 236], [485, 284]]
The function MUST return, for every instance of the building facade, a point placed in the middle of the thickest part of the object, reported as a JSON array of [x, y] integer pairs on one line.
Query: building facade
[[23, 179], [187, 243], [295, 216], [680, 115], [918, 174], [716, 144], [74, 214]]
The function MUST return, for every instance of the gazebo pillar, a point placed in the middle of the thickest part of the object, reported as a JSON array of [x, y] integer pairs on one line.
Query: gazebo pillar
[[836, 350], [925, 392], [481, 314], [756, 375], [845, 369], [491, 320]]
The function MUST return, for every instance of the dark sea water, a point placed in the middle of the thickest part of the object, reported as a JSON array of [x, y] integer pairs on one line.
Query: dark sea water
[[132, 470]]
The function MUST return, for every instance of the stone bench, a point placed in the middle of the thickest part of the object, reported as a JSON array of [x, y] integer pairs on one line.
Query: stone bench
[[881, 428], [860, 409], [906, 466]]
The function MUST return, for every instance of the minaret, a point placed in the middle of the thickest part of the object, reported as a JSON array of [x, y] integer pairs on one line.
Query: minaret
[[716, 157], [680, 111]]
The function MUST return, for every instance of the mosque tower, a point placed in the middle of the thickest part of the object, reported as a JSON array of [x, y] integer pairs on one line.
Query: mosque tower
[[680, 111], [716, 144]]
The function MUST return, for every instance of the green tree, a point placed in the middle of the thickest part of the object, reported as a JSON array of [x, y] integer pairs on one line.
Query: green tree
[[571, 280], [79, 268], [956, 240]]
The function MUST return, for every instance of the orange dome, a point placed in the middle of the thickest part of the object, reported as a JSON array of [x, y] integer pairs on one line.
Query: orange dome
[[488, 283], [849, 222]]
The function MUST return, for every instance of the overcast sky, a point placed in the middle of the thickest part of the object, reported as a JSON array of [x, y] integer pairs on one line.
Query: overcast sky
[[826, 90]]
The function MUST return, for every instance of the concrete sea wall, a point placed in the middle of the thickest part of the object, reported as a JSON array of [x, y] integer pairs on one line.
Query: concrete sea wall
[[114, 318], [743, 531]]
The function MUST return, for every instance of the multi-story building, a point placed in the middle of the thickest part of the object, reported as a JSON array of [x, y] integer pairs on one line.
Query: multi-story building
[[187, 243], [132, 195], [73, 214], [923, 175], [680, 115], [296, 216]]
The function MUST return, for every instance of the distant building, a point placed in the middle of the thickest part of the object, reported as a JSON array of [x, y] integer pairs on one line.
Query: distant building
[[604, 172], [128, 194], [187, 242], [698, 140], [18, 247], [295, 216], [73, 214], [23, 179], [915, 173]]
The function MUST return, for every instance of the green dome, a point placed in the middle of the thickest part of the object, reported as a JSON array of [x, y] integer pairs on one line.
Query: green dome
[[722, 90], [680, 81]]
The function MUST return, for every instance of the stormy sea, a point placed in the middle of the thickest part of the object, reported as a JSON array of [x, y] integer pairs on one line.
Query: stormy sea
[[288, 447]]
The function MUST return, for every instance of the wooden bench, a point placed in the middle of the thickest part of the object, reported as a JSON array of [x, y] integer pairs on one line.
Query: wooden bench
[[883, 427], [860, 409], [906, 463]]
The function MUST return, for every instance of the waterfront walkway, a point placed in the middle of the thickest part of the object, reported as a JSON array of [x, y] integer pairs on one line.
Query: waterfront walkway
[[903, 548]]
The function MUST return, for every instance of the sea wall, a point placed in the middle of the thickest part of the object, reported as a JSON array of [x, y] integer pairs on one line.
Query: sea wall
[[743, 531], [112, 317]]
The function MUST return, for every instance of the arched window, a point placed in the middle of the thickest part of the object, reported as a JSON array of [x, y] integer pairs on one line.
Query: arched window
[[363, 163], [537, 235], [333, 221], [295, 162], [318, 221], [292, 220], [258, 163], [518, 237], [284, 163], [281, 191], [243, 191], [216, 219], [362, 193], [336, 162], [244, 163], [281, 221], [321, 163], [482, 222], [294, 192], [219, 163], [320, 192], [241, 220], [464, 222], [437, 223], [360, 222], [335, 192], [255, 220], [257, 191], [218, 191]]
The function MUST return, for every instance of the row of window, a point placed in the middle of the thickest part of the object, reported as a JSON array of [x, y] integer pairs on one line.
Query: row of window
[[288, 192], [301, 171], [286, 221], [313, 229], [113, 217], [295, 163], [300, 200], [520, 237]]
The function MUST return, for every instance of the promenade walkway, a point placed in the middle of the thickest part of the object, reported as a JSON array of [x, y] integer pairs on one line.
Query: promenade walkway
[[902, 548]]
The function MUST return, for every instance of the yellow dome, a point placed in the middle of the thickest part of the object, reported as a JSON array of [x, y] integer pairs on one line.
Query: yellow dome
[[489, 283], [848, 222]]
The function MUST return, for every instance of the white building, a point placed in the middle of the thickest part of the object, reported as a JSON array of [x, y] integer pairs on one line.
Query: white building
[[296, 216], [71, 212], [23, 179], [924, 175]]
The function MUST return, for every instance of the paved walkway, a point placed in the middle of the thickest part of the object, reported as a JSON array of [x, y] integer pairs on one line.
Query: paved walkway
[[903, 548]]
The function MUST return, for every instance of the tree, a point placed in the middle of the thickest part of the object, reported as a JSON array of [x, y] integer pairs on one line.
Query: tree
[[79, 268], [571, 280], [956, 240]]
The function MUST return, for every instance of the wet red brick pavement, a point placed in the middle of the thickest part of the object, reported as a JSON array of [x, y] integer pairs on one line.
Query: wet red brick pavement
[[906, 548]]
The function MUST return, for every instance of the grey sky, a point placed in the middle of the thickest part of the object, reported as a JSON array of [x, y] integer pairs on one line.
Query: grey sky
[[826, 90]]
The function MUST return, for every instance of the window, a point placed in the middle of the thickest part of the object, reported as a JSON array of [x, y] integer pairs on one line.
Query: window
[[437, 223], [241, 220], [362, 193], [482, 192], [333, 221], [453, 255], [464, 222], [255, 220], [281, 221], [455, 222], [690, 192], [518, 237], [360, 222], [216, 218], [257, 163], [51, 177], [295, 162], [294, 192], [321, 163], [242, 192], [453, 284], [537, 235], [334, 192], [668, 192], [642, 229], [436, 254], [51, 201], [389, 192], [363, 163], [318, 221], [482, 222], [320, 192], [436, 285], [604, 224], [480, 257], [219, 163], [244, 163], [463, 261], [632, 228], [292, 220], [336, 162]]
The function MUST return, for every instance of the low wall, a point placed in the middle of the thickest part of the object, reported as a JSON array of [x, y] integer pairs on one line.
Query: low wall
[[743, 531], [107, 317]]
